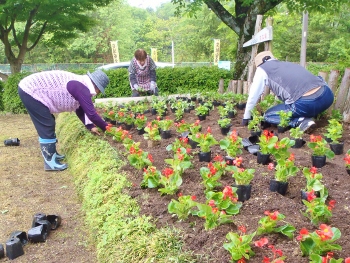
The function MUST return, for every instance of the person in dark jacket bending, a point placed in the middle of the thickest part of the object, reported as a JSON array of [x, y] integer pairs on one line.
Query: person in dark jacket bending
[[142, 74], [302, 93], [49, 92]]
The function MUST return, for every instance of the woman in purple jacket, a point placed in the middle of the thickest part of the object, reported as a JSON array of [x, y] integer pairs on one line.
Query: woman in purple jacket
[[49, 92]]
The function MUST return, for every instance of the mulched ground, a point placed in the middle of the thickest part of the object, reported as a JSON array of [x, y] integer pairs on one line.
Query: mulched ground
[[209, 244]]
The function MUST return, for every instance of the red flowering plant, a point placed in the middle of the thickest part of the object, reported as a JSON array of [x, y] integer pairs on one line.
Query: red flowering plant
[[239, 245], [242, 176], [219, 208], [267, 141], [318, 145], [195, 127], [180, 162], [183, 207], [204, 140], [151, 177], [317, 209], [213, 173], [320, 241], [284, 169], [140, 121], [108, 115], [170, 180], [347, 159], [118, 134], [328, 258], [277, 254], [179, 143], [270, 224], [226, 200], [182, 126], [232, 144], [152, 132], [164, 124], [138, 158], [313, 181]]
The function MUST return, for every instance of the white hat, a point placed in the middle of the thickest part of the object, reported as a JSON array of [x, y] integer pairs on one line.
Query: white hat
[[259, 59], [100, 79]]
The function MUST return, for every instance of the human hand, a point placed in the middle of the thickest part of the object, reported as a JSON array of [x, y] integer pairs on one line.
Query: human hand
[[95, 130], [135, 87], [153, 86], [245, 122]]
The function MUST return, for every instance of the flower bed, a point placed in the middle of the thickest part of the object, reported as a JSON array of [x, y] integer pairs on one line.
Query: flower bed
[[209, 243]]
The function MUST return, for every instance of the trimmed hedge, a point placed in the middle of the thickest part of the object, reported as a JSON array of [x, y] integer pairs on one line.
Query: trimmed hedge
[[169, 81]]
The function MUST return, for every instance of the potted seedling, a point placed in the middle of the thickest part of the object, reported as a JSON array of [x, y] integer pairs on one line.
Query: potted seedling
[[284, 120], [297, 135], [254, 123], [335, 133], [225, 125]]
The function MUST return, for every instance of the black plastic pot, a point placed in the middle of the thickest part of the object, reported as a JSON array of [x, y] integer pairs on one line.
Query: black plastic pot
[[318, 161], [153, 111], [231, 114], [127, 127], [298, 143], [165, 134], [255, 133], [264, 125], [281, 129], [12, 142], [193, 144], [263, 158], [241, 106], [229, 160], [39, 233], [187, 110], [225, 130], [204, 157], [202, 117], [278, 186], [14, 248], [243, 192], [348, 171], [337, 148], [22, 236], [55, 221], [141, 131], [38, 216]]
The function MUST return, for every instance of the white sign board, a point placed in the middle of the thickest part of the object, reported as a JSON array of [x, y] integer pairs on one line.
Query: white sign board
[[224, 64], [263, 35]]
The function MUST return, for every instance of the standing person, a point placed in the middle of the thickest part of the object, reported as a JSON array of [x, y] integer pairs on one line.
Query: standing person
[[49, 92], [142, 74], [302, 93]]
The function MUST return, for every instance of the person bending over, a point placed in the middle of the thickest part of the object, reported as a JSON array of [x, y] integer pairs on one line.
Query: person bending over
[[55, 91], [302, 93]]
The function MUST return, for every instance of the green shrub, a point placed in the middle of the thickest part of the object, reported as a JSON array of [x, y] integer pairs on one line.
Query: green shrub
[[1, 92], [11, 101]]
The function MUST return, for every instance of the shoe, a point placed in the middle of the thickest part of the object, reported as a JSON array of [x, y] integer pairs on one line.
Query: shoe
[[307, 125]]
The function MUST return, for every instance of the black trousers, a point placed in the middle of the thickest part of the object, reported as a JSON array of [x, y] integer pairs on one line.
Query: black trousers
[[43, 120]]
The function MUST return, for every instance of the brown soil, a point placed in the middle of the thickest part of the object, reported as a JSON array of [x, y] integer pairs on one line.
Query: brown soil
[[27, 189], [209, 244]]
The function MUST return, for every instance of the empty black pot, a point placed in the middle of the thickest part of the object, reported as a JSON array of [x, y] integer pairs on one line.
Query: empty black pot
[[278, 186], [204, 157], [243, 192], [12, 142]]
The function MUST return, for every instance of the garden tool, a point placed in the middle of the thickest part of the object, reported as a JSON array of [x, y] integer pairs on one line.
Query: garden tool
[[48, 150]]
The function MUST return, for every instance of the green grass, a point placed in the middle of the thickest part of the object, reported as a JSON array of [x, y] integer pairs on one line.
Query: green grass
[[117, 229]]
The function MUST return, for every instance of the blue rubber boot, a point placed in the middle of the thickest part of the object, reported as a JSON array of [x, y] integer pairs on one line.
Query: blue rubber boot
[[59, 157], [48, 150]]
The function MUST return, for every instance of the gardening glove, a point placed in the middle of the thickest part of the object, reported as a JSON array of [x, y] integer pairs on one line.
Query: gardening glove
[[245, 122], [153, 86], [135, 87]]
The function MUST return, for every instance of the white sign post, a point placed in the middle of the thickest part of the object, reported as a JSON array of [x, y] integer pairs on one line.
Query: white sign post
[[262, 36]]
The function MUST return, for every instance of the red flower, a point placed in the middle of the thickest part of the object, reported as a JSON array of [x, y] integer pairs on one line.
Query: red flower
[[211, 203], [208, 129], [238, 161], [271, 166], [331, 204], [310, 196], [325, 232], [242, 229], [193, 198], [266, 260], [313, 170], [347, 260], [272, 216], [291, 157], [242, 260], [218, 158], [150, 157], [179, 194], [261, 242], [227, 192], [167, 172], [214, 210]]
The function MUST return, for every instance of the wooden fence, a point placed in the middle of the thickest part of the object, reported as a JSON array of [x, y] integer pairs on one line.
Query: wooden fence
[[340, 90]]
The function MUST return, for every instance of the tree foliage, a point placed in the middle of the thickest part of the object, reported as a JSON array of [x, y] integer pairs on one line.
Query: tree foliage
[[24, 23]]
